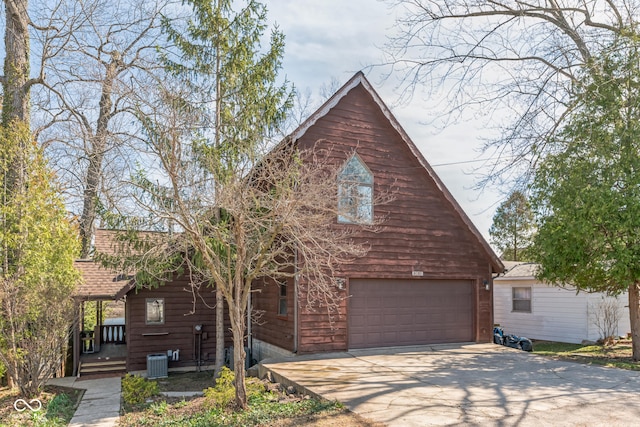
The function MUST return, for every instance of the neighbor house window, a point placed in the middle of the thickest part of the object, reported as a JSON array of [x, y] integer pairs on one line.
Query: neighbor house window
[[355, 192], [522, 299], [155, 311], [282, 299]]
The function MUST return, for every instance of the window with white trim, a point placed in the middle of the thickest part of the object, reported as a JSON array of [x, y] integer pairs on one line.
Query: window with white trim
[[355, 192], [521, 298]]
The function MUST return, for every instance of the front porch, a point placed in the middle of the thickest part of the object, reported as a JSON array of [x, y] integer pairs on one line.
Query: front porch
[[111, 359], [100, 346], [100, 335]]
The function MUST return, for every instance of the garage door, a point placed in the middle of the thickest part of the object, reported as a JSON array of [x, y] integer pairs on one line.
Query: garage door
[[385, 313]]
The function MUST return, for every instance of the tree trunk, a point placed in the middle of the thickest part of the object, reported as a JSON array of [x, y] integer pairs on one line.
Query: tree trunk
[[15, 86], [219, 331], [237, 311], [15, 103], [239, 357], [634, 318], [99, 145], [92, 184]]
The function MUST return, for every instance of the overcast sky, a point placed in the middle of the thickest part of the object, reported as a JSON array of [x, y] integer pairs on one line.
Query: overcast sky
[[335, 39]]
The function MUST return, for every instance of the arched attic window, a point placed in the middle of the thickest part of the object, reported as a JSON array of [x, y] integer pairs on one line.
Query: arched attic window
[[355, 192]]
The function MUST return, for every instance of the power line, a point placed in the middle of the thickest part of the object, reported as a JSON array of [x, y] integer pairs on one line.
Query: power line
[[462, 162]]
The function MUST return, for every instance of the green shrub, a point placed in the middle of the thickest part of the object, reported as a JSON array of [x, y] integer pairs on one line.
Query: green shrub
[[223, 393], [136, 389], [255, 387], [159, 408]]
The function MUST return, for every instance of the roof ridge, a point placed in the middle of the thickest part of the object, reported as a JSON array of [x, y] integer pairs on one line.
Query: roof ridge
[[359, 79]]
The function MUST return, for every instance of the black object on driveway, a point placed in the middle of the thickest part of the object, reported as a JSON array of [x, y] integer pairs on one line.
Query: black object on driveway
[[510, 340]]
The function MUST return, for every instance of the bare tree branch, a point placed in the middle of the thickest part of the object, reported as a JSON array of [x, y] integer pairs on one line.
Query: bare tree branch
[[106, 53], [520, 59]]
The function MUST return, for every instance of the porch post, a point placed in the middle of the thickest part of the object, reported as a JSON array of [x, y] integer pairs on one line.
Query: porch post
[[99, 313], [76, 340], [82, 316], [97, 331]]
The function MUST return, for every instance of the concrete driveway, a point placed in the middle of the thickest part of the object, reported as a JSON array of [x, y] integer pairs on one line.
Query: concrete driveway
[[467, 384]]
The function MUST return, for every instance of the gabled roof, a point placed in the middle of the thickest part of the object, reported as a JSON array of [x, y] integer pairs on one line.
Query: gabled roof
[[99, 283], [359, 79]]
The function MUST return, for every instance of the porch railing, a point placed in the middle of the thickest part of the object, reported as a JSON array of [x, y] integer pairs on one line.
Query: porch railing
[[112, 334]]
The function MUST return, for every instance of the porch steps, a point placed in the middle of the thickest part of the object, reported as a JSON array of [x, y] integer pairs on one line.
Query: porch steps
[[102, 367]]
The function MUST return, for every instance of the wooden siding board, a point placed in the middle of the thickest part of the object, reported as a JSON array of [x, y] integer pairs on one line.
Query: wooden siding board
[[271, 328], [317, 331], [179, 324]]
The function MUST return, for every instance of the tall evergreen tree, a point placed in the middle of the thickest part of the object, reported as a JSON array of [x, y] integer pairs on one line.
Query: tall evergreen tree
[[38, 279], [233, 85], [37, 242]]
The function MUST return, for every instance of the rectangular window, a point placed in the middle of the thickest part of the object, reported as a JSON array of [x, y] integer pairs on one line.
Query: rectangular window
[[282, 299], [154, 313], [354, 203], [355, 192], [522, 299]]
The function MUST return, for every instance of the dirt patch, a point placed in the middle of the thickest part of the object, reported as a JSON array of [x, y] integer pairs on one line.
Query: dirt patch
[[186, 381], [159, 408], [619, 355], [621, 349]]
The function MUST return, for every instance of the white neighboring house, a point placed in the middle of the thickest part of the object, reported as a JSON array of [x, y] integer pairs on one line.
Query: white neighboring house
[[527, 307]]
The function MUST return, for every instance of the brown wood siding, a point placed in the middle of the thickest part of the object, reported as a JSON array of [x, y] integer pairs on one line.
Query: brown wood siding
[[321, 329], [422, 230], [178, 326], [270, 327]]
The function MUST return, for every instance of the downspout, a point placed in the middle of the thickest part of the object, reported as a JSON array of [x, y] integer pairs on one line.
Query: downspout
[[76, 340], [249, 335]]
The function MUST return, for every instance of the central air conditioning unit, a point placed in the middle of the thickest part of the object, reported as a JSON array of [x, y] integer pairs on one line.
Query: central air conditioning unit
[[157, 366]]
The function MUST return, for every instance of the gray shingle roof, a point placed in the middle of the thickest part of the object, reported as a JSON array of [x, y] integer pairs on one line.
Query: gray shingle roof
[[518, 269]]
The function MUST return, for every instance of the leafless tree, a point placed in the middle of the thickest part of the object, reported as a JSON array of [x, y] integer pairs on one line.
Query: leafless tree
[[34, 34], [515, 63], [605, 314], [84, 108]]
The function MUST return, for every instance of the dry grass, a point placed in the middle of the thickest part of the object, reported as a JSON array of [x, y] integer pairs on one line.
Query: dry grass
[[617, 355], [186, 381]]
